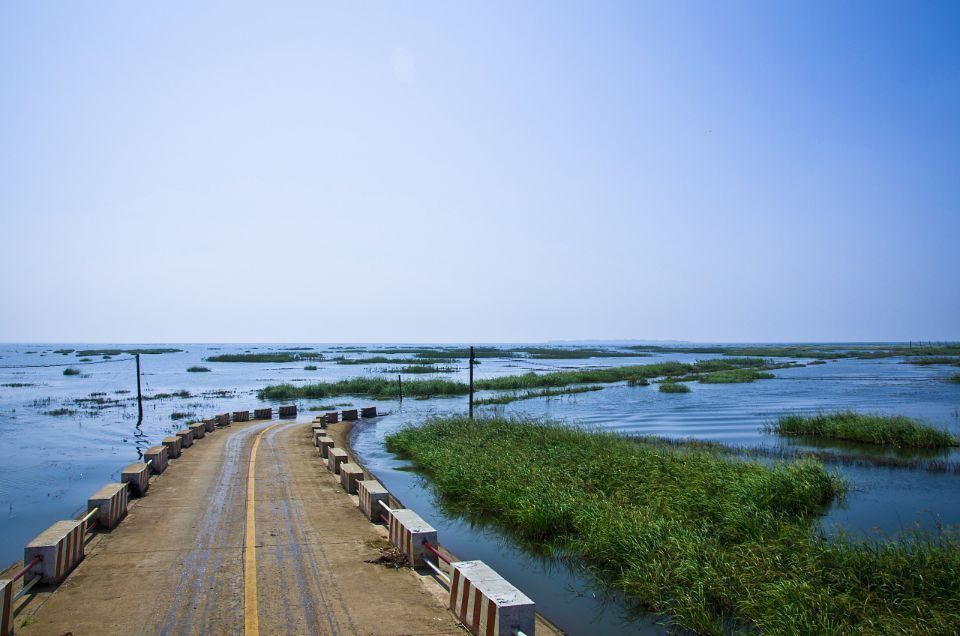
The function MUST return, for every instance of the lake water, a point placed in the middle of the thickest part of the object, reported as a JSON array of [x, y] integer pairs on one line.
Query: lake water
[[50, 464]]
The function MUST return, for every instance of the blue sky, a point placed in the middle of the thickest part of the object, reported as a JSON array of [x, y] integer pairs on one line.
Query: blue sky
[[498, 171]]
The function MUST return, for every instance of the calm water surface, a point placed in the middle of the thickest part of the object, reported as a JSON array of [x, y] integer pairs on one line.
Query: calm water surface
[[51, 464]]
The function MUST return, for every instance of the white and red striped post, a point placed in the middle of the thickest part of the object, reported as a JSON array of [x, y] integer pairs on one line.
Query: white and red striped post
[[60, 548], [110, 502], [408, 531], [487, 604]]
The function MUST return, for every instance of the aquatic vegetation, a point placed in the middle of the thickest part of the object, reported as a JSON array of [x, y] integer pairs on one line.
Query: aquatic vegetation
[[17, 385], [310, 367], [638, 382], [282, 356], [384, 388], [179, 415], [716, 544], [954, 378], [674, 387], [573, 353], [116, 352], [64, 352], [71, 371], [822, 352], [506, 398], [182, 393], [422, 368], [927, 361], [60, 412], [894, 430], [735, 376], [196, 369], [84, 360]]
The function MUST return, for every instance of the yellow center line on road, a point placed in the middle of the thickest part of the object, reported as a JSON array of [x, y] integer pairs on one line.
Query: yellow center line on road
[[251, 617]]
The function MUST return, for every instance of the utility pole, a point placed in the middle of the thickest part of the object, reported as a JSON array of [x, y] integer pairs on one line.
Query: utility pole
[[471, 382], [400, 384], [139, 395]]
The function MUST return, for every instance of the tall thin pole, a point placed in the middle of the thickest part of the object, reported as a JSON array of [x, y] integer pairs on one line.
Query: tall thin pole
[[471, 382], [139, 395], [400, 384]]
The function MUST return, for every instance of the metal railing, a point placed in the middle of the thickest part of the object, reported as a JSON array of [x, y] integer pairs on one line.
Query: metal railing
[[26, 586]]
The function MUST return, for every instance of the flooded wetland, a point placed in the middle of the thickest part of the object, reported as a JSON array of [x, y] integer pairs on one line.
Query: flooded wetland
[[696, 424]]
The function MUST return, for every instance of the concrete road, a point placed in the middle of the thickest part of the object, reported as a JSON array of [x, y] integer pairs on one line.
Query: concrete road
[[176, 565]]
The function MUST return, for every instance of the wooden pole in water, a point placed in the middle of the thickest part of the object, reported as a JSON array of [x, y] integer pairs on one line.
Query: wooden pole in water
[[139, 395], [471, 383], [400, 384]]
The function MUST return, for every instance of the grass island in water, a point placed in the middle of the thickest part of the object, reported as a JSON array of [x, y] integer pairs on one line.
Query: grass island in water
[[715, 544], [885, 430]]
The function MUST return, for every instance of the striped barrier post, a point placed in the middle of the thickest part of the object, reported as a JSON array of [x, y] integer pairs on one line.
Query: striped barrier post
[[198, 429], [349, 415], [324, 444], [263, 414], [6, 607], [371, 492], [408, 532], [350, 474], [186, 438], [368, 411], [137, 476], [60, 548], [110, 502], [335, 457], [210, 424], [487, 604], [157, 456], [173, 446], [223, 419], [332, 417], [241, 416], [288, 412], [317, 432]]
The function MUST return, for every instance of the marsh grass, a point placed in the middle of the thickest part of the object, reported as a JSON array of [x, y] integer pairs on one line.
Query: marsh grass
[[422, 368], [735, 376], [197, 369], [280, 356], [928, 361], [180, 415], [61, 412], [116, 352], [674, 387], [310, 367], [954, 378], [715, 543], [71, 371], [885, 430], [506, 398]]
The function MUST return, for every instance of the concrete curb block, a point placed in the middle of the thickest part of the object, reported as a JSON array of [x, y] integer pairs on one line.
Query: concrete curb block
[[371, 492], [6, 602], [263, 414], [198, 429], [486, 603], [288, 412], [173, 446], [186, 438], [158, 458], [60, 547], [110, 502], [350, 474], [408, 531], [335, 457], [137, 476]]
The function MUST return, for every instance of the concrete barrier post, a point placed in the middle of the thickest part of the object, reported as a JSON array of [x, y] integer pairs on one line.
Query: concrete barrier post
[[332, 417], [350, 474], [368, 411], [173, 446], [223, 419], [61, 548], [371, 492], [317, 431], [324, 444], [157, 456], [137, 476], [263, 414], [210, 424], [486, 603], [110, 503], [349, 415], [6, 607], [198, 429], [288, 412], [241, 416], [186, 438], [335, 457], [407, 533]]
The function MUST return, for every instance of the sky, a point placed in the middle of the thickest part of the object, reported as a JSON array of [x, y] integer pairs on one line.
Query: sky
[[479, 172]]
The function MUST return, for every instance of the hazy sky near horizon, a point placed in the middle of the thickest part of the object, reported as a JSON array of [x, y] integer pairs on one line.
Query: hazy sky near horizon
[[497, 171]]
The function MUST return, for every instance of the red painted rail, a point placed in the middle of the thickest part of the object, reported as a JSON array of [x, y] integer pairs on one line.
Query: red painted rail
[[436, 552], [26, 568]]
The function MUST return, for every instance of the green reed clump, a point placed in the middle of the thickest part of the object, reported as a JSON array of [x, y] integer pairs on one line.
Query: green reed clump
[[638, 382], [506, 398], [60, 412], [954, 378], [422, 368], [892, 430], [180, 415], [71, 371], [373, 387], [715, 543], [278, 356], [116, 352], [674, 387], [310, 367], [925, 361], [196, 369], [735, 376]]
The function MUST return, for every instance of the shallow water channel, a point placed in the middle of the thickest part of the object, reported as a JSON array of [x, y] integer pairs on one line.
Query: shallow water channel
[[51, 463]]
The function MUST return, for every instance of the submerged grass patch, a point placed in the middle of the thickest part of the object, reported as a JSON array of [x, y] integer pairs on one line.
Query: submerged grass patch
[[674, 387], [198, 370], [71, 371], [116, 352], [716, 543], [422, 368], [892, 430], [279, 356], [735, 376], [384, 388], [506, 398]]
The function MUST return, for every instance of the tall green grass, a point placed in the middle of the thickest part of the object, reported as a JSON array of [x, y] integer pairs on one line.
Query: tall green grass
[[280, 356], [674, 387], [715, 543], [506, 398], [891, 430]]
